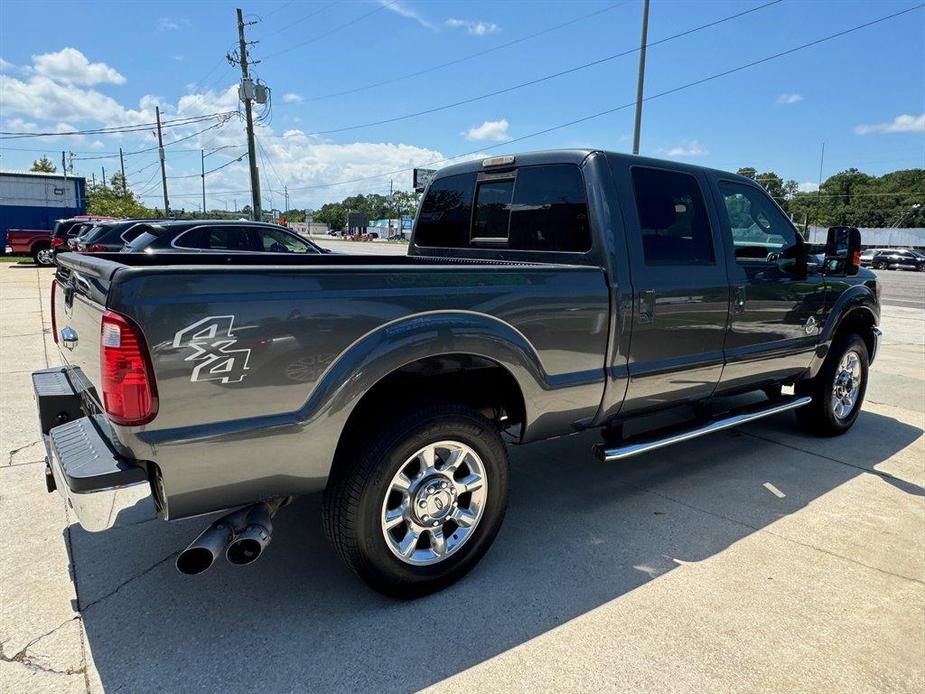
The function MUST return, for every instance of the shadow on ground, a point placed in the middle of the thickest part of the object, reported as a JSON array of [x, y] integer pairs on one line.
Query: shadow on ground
[[578, 534]]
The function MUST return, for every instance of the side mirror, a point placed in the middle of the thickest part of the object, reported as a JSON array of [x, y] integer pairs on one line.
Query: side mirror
[[843, 250]]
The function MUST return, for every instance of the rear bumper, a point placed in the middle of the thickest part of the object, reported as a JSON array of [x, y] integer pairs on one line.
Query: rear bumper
[[101, 487]]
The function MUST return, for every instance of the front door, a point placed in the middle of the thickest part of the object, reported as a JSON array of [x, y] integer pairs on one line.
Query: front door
[[778, 306], [680, 290]]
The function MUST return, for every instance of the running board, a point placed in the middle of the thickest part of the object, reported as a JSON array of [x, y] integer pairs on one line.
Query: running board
[[629, 449]]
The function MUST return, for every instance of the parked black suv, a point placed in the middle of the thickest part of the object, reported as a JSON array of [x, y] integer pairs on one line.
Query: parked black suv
[[109, 237], [217, 236], [898, 259]]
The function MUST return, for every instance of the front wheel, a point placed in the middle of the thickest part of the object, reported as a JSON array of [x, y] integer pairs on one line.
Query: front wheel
[[837, 390], [418, 506]]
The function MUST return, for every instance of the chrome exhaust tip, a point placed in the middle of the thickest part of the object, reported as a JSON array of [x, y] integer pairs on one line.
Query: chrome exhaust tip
[[211, 544], [249, 544]]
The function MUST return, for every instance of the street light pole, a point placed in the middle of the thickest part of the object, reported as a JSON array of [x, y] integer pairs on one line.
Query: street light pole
[[202, 159], [642, 74]]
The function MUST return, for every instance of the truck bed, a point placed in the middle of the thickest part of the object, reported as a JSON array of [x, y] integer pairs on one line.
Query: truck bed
[[252, 354]]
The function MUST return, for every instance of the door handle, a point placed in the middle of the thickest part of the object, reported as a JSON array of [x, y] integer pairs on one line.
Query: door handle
[[739, 300], [647, 306]]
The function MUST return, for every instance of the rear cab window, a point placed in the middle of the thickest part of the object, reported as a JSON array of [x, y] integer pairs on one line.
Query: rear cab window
[[532, 208]]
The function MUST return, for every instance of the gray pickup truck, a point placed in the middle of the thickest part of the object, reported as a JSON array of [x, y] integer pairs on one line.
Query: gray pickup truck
[[542, 294]]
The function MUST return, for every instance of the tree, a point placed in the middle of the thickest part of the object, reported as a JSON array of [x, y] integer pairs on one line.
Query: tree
[[115, 201], [43, 165], [748, 172]]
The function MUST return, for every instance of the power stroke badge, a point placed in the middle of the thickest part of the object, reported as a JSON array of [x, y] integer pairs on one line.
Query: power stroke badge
[[214, 358]]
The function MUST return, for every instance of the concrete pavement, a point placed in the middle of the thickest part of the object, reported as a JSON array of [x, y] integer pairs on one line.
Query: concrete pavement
[[755, 559]]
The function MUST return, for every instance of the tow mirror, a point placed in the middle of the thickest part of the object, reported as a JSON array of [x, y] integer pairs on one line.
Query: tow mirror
[[843, 250]]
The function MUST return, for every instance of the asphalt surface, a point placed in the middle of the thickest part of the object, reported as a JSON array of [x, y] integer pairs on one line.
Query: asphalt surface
[[902, 288], [759, 559]]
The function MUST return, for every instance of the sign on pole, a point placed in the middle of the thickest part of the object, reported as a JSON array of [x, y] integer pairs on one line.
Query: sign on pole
[[422, 178]]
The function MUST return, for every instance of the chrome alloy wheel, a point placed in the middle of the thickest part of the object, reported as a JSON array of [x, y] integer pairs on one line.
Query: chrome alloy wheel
[[847, 385], [434, 503], [45, 257]]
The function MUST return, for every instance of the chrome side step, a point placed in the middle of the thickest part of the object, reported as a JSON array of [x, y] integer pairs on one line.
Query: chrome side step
[[628, 449]]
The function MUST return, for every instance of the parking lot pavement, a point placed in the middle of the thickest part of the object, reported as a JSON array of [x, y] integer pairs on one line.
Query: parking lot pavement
[[754, 559]]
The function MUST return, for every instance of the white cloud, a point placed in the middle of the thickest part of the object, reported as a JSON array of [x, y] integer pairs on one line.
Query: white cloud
[[171, 24], [477, 28], [406, 12], [808, 187], [70, 66], [691, 148], [905, 123], [292, 98], [6, 66], [786, 98], [489, 130]]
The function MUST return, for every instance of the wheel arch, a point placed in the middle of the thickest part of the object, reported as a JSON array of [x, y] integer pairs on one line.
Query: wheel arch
[[856, 311]]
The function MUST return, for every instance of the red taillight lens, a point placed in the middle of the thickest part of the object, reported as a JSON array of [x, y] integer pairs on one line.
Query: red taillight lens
[[129, 391], [96, 248], [54, 322], [56, 242]]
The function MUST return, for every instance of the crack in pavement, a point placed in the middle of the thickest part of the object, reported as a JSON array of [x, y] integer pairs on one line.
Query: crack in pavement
[[17, 450], [29, 661], [84, 608]]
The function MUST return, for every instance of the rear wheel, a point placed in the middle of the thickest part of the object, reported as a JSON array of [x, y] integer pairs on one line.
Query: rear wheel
[[42, 255], [419, 505], [838, 390]]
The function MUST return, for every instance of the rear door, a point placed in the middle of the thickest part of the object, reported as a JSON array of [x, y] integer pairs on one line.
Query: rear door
[[778, 303], [680, 289]]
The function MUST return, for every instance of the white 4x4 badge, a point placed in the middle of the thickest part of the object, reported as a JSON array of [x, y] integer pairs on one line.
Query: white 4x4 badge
[[211, 340]]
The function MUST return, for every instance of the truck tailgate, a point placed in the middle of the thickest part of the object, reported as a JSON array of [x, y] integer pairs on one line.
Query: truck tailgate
[[78, 304]]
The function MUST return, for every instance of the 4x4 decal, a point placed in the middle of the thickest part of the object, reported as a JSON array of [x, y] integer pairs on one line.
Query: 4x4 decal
[[211, 340]]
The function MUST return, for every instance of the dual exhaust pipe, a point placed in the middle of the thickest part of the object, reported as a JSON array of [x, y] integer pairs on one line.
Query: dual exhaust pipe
[[241, 536]]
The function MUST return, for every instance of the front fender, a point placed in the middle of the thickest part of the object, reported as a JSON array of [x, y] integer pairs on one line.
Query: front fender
[[854, 300]]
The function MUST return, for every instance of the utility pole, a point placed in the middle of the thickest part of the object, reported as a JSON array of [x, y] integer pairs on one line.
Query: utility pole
[[642, 74], [202, 157], [160, 151], [103, 168], [821, 159], [122, 166], [286, 192], [247, 96]]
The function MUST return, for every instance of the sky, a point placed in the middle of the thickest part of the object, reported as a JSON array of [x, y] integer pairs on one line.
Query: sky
[[338, 70]]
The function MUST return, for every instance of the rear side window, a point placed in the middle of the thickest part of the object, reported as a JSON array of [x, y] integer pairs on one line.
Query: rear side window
[[672, 218], [276, 241], [535, 208], [132, 233]]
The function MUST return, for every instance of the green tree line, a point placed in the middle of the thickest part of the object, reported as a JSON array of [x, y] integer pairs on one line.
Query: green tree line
[[851, 198]]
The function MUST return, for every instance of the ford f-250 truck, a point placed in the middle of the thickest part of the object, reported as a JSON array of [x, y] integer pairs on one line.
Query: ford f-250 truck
[[542, 294]]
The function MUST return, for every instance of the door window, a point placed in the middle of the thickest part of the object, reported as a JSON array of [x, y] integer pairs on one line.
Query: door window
[[276, 241], [761, 233], [223, 238], [672, 218]]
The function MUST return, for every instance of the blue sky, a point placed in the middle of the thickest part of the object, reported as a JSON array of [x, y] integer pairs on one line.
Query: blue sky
[[81, 65]]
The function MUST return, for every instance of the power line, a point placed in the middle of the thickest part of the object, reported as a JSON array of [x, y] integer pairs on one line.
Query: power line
[[545, 78], [615, 109], [217, 168], [659, 95], [471, 56], [151, 149], [189, 120], [331, 31], [297, 21]]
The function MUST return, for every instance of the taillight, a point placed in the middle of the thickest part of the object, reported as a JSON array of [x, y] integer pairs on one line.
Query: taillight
[[129, 391], [96, 248], [54, 322], [57, 242]]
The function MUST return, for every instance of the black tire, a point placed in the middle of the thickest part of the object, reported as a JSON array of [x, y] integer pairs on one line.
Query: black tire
[[818, 417], [42, 255], [354, 498], [879, 266]]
